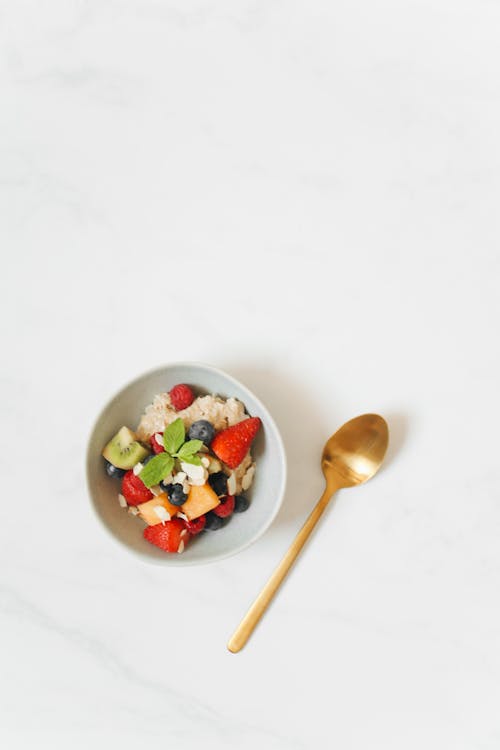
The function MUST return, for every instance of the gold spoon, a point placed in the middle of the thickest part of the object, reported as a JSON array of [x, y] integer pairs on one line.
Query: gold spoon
[[350, 457]]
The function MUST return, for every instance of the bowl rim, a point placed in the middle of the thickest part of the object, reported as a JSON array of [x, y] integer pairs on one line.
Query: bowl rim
[[178, 562]]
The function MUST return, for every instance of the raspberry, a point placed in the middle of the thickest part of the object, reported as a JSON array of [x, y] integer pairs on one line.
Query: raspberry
[[196, 525], [225, 508], [134, 490], [155, 446], [181, 396]]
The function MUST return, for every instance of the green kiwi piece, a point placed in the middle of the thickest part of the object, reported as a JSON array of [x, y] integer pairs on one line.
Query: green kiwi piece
[[123, 450]]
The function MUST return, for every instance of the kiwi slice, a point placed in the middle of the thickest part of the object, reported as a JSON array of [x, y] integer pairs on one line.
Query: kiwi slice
[[123, 450]]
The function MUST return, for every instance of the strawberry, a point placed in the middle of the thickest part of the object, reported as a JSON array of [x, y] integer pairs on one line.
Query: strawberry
[[155, 445], [181, 396], [134, 490], [226, 507], [168, 536], [232, 444], [196, 525]]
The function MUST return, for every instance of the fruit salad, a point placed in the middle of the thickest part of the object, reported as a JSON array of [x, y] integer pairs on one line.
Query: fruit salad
[[187, 466]]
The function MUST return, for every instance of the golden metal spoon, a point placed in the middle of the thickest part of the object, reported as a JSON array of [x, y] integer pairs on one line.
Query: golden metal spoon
[[350, 457]]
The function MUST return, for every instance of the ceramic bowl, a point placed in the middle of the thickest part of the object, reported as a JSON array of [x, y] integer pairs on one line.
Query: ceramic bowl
[[265, 494]]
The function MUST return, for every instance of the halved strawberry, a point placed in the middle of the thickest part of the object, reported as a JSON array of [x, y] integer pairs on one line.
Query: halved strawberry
[[232, 444], [157, 447], [134, 490], [171, 536]]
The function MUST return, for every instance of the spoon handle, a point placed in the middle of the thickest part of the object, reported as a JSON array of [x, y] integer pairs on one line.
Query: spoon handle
[[252, 617]]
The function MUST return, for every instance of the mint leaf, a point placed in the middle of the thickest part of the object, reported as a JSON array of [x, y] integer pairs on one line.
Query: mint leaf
[[189, 449], [174, 435], [157, 469], [196, 460]]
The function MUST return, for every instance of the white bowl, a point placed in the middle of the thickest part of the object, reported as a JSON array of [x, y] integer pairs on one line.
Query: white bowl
[[265, 494]]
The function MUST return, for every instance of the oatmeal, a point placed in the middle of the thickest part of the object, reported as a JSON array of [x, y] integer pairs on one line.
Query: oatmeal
[[197, 463]]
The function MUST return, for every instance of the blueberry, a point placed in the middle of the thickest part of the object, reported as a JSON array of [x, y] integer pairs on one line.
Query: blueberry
[[202, 430], [213, 522], [218, 482], [241, 504], [176, 494], [114, 471]]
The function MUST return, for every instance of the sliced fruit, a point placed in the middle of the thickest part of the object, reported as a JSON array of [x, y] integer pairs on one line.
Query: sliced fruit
[[134, 490], [123, 450], [232, 444], [156, 442], [171, 536], [157, 510], [200, 500]]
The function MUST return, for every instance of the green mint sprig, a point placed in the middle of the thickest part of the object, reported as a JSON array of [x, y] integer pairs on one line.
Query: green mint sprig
[[174, 442]]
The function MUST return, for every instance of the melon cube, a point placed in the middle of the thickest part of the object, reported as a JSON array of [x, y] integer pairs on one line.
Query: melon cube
[[157, 510], [200, 500]]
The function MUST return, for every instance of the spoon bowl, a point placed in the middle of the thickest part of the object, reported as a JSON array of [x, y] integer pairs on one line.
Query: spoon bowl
[[354, 453]]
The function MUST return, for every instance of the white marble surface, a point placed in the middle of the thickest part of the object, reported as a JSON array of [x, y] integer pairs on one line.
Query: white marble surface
[[305, 194]]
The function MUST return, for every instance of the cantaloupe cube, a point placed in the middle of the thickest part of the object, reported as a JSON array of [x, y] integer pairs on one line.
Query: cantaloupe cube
[[200, 500], [152, 517]]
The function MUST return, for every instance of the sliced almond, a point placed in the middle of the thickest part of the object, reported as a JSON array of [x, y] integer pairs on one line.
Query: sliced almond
[[162, 513], [156, 489], [183, 532], [183, 516], [248, 478], [214, 466], [199, 482], [133, 510], [205, 461], [159, 439], [181, 547], [231, 484], [138, 468], [122, 501], [197, 474]]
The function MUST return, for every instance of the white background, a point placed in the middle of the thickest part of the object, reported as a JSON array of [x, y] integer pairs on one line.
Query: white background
[[305, 194]]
